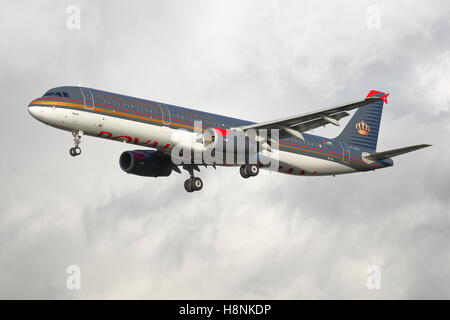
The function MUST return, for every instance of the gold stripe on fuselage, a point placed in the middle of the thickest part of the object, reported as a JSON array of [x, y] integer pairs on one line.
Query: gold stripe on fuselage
[[104, 110], [149, 119]]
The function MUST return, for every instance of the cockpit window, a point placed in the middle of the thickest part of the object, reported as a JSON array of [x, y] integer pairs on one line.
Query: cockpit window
[[56, 93]]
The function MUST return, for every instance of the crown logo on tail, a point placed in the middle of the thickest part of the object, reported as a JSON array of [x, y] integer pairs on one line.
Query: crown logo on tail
[[363, 128]]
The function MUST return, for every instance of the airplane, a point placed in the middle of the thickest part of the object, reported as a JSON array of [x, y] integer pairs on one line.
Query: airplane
[[157, 127]]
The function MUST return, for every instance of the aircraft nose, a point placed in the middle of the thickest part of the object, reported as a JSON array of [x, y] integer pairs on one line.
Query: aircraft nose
[[35, 112], [38, 112]]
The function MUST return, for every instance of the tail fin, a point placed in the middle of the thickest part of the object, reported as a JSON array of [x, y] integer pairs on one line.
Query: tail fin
[[362, 129]]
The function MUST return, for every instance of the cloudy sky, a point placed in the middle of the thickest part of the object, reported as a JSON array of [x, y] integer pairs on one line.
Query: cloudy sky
[[271, 237]]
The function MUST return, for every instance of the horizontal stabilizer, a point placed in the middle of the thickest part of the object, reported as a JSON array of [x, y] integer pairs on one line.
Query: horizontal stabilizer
[[394, 152]]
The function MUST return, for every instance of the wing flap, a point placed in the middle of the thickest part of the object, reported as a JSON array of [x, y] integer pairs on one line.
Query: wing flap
[[312, 124], [319, 122]]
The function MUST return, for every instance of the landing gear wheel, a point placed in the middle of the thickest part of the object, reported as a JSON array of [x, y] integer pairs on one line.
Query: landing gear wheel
[[252, 170], [243, 172], [193, 183], [196, 184], [76, 151], [187, 185], [249, 170]]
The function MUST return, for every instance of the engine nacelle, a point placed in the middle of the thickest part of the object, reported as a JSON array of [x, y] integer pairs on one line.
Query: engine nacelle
[[229, 141], [211, 136], [147, 163]]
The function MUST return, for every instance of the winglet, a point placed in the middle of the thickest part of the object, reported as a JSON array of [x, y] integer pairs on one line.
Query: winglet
[[383, 96]]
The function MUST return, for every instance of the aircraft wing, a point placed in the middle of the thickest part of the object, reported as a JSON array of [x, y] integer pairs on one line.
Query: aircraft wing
[[293, 126], [394, 152]]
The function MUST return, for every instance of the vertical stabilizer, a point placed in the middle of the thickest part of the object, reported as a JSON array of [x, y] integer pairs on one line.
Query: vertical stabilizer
[[362, 129]]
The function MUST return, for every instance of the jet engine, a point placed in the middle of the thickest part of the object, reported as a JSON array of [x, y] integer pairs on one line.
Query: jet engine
[[147, 163], [229, 141]]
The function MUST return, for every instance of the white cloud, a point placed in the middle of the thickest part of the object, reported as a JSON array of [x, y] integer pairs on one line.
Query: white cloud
[[434, 80]]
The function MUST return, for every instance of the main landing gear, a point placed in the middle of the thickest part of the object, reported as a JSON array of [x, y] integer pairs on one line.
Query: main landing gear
[[249, 170], [193, 183], [76, 151]]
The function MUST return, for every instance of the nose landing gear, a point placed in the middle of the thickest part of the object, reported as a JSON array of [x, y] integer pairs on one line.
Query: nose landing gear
[[76, 151]]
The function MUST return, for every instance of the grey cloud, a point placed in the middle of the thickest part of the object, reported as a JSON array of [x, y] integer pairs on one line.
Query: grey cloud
[[273, 237]]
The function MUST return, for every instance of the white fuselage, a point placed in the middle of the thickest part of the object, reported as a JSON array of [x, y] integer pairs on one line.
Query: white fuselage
[[162, 137]]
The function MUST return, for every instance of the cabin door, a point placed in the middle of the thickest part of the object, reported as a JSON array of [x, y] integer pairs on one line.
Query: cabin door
[[165, 114], [88, 98], [345, 152]]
